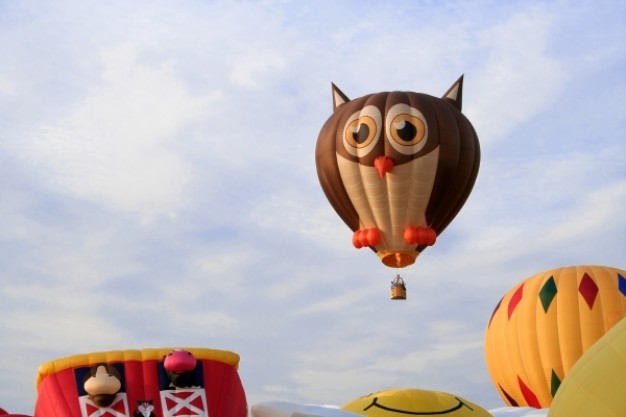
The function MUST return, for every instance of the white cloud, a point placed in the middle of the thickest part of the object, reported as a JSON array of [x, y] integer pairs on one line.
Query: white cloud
[[7, 87], [59, 318], [342, 301], [116, 146], [518, 78], [599, 212], [256, 62]]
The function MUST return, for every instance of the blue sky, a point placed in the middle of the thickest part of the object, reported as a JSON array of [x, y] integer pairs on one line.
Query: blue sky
[[158, 183]]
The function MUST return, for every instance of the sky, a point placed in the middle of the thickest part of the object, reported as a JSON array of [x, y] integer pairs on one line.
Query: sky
[[158, 183]]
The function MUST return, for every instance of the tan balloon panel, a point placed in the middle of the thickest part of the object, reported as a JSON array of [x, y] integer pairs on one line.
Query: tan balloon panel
[[543, 325]]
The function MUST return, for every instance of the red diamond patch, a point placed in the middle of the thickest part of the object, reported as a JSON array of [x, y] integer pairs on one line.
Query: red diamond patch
[[588, 289], [515, 299]]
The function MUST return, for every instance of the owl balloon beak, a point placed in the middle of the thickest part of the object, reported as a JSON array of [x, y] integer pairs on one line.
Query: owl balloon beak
[[383, 165]]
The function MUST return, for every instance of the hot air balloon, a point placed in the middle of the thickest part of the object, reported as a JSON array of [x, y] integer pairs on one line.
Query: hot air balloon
[[161, 382], [543, 325], [413, 401], [397, 167], [596, 384]]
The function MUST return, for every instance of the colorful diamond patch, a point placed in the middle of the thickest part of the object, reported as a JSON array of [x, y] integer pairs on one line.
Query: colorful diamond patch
[[588, 289], [621, 284], [515, 299], [555, 383], [529, 395], [547, 293]]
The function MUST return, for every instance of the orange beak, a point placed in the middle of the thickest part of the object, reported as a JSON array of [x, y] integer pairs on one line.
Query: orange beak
[[383, 165]]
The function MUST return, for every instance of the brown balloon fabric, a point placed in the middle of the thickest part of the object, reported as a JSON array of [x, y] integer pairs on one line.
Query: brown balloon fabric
[[401, 164]]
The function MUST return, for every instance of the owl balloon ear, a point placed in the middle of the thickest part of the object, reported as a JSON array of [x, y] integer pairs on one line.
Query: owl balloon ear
[[338, 97], [454, 95]]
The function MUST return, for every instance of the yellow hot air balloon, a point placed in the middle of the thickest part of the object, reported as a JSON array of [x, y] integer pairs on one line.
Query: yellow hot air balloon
[[413, 401], [543, 325], [596, 384]]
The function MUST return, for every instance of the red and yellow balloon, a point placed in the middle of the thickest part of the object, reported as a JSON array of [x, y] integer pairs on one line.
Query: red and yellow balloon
[[161, 382], [543, 325]]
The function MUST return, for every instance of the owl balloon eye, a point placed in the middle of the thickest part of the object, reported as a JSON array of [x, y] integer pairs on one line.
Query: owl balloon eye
[[406, 128], [362, 130]]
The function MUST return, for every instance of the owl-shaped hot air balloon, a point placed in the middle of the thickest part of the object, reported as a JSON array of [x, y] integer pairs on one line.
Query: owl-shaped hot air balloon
[[397, 167]]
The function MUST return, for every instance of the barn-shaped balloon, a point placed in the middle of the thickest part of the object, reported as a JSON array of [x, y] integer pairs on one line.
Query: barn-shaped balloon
[[163, 382]]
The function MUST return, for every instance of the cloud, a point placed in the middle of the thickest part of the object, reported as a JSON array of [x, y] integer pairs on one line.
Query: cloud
[[254, 63], [518, 76], [114, 147], [57, 318]]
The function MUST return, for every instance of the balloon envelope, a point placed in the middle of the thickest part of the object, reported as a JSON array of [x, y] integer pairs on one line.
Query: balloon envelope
[[141, 384], [397, 167], [543, 325], [596, 384], [412, 401]]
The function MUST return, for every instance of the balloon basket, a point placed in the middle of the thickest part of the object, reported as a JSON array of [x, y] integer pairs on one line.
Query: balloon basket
[[398, 289]]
